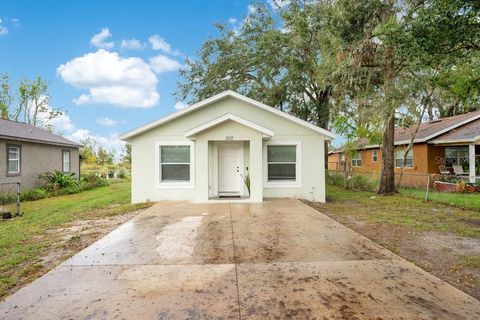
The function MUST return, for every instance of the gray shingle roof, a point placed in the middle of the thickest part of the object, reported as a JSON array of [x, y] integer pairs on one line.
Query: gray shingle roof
[[434, 128], [14, 130], [466, 133]]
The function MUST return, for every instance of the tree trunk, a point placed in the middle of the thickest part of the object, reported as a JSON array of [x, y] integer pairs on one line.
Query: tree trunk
[[323, 115], [387, 177]]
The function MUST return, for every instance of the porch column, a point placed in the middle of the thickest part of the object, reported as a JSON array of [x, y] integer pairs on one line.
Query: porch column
[[256, 170], [201, 169], [471, 161]]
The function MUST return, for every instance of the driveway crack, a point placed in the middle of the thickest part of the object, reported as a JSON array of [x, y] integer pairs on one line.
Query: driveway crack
[[235, 262]]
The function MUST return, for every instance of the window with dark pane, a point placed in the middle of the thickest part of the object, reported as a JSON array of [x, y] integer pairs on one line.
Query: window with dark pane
[[281, 162], [174, 163]]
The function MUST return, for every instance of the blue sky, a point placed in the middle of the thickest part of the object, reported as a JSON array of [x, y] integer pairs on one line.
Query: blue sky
[[113, 65]]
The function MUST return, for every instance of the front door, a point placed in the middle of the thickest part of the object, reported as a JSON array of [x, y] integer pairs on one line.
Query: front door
[[230, 169]]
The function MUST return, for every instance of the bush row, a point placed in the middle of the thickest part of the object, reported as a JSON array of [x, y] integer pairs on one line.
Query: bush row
[[51, 189], [356, 182]]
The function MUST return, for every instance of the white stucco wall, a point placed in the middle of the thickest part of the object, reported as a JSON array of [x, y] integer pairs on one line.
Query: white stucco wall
[[144, 158]]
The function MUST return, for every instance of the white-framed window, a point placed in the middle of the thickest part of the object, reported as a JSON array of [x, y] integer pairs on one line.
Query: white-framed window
[[66, 166], [357, 159], [14, 154], [375, 155], [175, 164], [282, 163], [399, 159]]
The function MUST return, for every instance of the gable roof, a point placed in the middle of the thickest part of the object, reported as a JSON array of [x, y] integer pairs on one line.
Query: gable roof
[[432, 129], [267, 133], [13, 130], [464, 134], [329, 135], [461, 128]]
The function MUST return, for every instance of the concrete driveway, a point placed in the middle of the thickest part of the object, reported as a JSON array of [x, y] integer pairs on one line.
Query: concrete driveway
[[276, 260]]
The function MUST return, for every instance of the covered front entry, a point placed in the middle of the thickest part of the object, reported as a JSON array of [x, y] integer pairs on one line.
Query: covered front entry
[[231, 169]]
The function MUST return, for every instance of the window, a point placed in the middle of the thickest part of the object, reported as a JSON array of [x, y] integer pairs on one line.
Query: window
[[66, 161], [456, 156], [175, 166], [357, 159], [282, 164], [375, 155], [399, 159], [13, 160]]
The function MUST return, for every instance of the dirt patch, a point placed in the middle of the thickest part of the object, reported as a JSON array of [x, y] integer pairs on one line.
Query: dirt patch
[[65, 242], [441, 254]]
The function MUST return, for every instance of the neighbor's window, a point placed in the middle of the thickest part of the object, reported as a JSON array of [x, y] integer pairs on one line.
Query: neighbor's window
[[174, 163], [66, 167], [399, 159], [282, 162], [375, 155], [13, 159], [456, 156], [357, 159]]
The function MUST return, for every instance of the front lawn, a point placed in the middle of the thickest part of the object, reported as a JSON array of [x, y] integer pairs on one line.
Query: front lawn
[[53, 229], [442, 239]]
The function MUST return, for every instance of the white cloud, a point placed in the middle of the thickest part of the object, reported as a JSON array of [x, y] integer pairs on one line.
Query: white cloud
[[62, 123], [111, 79], [107, 122], [132, 44], [275, 4], [232, 21], [59, 124], [251, 9], [98, 40], [180, 105], [163, 63], [15, 22], [110, 142], [79, 135], [3, 29], [158, 43]]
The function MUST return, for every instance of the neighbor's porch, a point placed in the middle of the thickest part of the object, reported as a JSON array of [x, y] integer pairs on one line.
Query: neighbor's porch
[[460, 161]]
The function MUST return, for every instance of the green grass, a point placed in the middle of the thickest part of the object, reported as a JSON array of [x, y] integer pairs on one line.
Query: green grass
[[403, 210], [24, 240], [461, 200]]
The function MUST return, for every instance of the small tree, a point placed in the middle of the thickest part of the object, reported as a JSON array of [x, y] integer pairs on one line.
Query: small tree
[[31, 104], [127, 154]]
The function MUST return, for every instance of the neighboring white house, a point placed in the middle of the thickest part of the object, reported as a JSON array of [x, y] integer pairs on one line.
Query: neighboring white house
[[203, 153]]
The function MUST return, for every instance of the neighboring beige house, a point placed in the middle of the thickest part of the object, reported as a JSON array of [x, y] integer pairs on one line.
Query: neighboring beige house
[[27, 151], [205, 151]]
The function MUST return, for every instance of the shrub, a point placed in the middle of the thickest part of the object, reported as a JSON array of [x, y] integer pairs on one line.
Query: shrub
[[92, 180], [34, 194], [58, 180], [335, 179], [122, 173], [7, 198], [362, 183]]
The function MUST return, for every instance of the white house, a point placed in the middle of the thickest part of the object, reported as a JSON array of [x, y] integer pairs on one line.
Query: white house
[[206, 152]]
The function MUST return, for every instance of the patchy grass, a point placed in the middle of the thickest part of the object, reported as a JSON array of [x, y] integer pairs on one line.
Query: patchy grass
[[442, 239], [461, 200], [27, 240], [404, 211]]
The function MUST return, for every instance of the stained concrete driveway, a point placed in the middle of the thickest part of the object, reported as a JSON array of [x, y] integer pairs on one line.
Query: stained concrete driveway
[[276, 260]]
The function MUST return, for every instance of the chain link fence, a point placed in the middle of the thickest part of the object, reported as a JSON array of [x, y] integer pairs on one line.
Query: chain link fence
[[416, 183], [9, 199]]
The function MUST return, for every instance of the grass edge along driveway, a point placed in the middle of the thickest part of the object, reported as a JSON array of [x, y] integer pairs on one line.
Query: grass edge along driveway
[[25, 242], [442, 239]]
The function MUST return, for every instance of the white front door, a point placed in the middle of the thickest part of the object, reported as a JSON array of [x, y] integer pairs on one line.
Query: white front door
[[230, 169]]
